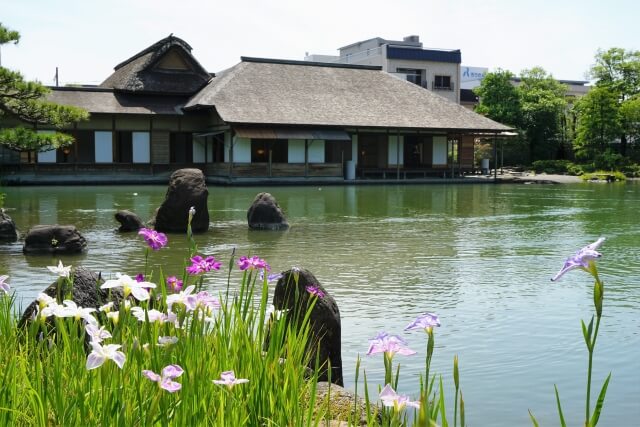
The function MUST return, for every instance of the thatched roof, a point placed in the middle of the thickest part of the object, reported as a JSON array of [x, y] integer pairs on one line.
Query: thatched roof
[[262, 91], [148, 70], [98, 100]]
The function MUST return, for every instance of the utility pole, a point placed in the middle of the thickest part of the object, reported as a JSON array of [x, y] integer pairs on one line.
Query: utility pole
[[56, 77]]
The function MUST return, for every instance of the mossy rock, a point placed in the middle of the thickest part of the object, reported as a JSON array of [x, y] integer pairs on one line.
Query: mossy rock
[[339, 405]]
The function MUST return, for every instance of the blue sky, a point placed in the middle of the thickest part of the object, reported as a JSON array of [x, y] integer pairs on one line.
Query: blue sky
[[86, 39]]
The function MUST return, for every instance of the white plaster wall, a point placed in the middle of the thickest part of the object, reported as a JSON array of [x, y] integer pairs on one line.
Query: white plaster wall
[[104, 147], [440, 150], [141, 150], [394, 150], [316, 151], [199, 150], [296, 150], [242, 150], [430, 70], [47, 156], [227, 145]]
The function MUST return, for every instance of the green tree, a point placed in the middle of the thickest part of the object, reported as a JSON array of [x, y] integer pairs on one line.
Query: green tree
[[630, 118], [24, 108], [543, 104], [618, 71], [499, 99], [598, 123]]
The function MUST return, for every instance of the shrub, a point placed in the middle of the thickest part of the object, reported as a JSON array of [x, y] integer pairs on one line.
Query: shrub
[[604, 176], [631, 170], [551, 166]]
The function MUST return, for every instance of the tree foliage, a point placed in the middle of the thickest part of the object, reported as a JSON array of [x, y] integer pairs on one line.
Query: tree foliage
[[543, 104], [617, 72], [499, 99], [598, 123], [535, 107], [25, 103]]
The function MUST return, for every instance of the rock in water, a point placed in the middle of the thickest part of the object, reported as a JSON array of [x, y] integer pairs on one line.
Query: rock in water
[[85, 293], [64, 239], [265, 214], [129, 221], [8, 231], [187, 188], [293, 294]]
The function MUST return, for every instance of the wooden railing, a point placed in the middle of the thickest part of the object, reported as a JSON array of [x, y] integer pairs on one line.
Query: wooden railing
[[275, 170]]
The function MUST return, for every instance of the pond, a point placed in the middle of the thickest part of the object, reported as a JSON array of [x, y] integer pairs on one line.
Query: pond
[[479, 255]]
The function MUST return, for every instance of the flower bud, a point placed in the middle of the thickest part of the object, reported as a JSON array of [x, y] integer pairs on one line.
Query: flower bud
[[456, 373], [598, 296]]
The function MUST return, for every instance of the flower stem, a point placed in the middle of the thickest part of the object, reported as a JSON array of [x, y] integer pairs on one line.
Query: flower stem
[[593, 344]]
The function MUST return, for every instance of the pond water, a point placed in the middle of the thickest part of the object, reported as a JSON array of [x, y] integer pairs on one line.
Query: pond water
[[480, 256]]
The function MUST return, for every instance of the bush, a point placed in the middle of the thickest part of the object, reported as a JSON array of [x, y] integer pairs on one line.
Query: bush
[[604, 176], [632, 170], [578, 170], [551, 166], [610, 160]]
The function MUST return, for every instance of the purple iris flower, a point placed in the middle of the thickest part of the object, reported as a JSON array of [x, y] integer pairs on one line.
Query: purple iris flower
[[253, 263], [314, 290], [270, 277], [139, 277], [201, 265], [581, 259], [425, 321], [154, 239], [389, 344], [165, 380], [174, 284]]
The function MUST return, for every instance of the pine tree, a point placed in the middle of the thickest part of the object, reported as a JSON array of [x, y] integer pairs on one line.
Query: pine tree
[[24, 109]]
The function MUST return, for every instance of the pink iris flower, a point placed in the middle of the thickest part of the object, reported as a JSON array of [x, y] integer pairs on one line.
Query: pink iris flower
[[165, 379], [253, 263], [392, 399], [315, 290], [201, 265], [174, 284], [4, 286], [154, 239], [389, 344]]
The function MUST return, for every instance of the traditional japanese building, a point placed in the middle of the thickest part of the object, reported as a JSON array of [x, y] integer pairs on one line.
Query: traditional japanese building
[[262, 119]]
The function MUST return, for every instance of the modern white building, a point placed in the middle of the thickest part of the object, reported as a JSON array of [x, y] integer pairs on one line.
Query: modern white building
[[437, 70]]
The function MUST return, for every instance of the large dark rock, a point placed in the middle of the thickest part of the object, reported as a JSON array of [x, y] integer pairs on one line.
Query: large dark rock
[[129, 221], [8, 231], [64, 239], [265, 214], [85, 293], [187, 188], [292, 296]]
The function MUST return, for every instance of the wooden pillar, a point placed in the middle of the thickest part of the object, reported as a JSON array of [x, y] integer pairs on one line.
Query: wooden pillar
[[398, 154], [231, 144], [495, 158], [151, 144], [306, 158]]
